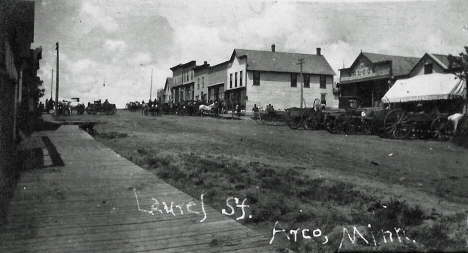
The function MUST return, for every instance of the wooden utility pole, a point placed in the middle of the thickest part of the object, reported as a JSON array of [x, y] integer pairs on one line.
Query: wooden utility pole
[[52, 85], [151, 89], [57, 80], [301, 61]]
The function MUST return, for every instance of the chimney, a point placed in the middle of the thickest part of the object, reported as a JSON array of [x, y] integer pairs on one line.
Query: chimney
[[205, 63], [273, 48], [318, 50]]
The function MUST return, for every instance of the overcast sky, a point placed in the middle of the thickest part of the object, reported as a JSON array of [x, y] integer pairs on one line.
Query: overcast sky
[[118, 42]]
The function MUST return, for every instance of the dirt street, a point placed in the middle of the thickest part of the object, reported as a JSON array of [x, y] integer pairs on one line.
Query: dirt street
[[431, 174]]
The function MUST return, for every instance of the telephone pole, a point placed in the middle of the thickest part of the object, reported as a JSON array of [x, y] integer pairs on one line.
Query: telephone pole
[[301, 61], [51, 84], [57, 80], [151, 89]]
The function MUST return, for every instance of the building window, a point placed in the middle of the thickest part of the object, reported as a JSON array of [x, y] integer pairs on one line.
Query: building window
[[240, 78], [203, 82], [256, 78], [428, 68], [293, 80], [230, 80], [323, 100], [199, 83], [323, 82], [191, 75], [306, 81], [235, 81]]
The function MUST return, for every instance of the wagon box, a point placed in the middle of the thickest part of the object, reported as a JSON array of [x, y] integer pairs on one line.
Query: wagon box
[[108, 109]]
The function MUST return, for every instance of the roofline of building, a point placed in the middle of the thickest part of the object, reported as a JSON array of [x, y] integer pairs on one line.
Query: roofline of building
[[183, 65], [220, 64]]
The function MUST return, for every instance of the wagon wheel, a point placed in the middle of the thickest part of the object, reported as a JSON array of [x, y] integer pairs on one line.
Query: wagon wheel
[[108, 111], [351, 125], [293, 123], [340, 124], [309, 120], [367, 126], [441, 129], [397, 124], [114, 110], [328, 123]]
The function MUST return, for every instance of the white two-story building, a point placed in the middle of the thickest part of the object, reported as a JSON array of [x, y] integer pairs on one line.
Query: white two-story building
[[262, 77]]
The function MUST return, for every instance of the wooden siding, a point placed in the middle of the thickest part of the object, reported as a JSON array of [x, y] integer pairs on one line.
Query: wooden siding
[[365, 69], [419, 69], [236, 66], [275, 88], [218, 74], [202, 75]]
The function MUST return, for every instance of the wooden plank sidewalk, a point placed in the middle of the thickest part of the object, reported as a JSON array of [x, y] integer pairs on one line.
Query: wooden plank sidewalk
[[101, 202]]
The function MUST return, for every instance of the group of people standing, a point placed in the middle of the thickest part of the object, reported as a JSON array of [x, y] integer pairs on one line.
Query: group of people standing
[[269, 109]]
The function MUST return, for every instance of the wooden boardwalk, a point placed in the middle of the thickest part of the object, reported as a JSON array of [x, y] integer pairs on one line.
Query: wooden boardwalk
[[100, 202]]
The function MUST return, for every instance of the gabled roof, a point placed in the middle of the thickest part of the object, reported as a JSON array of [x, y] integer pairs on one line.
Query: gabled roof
[[169, 81], [401, 65], [440, 59], [284, 62]]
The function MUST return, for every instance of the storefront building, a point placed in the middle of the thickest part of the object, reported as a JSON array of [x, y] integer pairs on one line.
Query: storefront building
[[183, 82], [217, 82], [370, 77]]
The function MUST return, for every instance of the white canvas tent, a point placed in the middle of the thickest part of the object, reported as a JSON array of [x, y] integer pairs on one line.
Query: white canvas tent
[[434, 86]]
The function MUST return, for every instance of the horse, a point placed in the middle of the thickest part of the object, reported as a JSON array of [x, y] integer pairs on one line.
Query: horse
[[205, 109], [144, 110], [455, 118], [79, 107], [214, 109], [134, 106], [154, 109]]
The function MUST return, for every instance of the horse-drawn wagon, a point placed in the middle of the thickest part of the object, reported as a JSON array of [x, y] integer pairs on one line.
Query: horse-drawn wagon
[[272, 118], [104, 108], [421, 106]]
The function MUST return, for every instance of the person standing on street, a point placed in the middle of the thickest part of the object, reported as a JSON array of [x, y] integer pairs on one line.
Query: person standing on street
[[255, 110]]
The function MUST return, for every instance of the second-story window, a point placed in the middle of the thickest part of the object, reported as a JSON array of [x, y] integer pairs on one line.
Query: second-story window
[[235, 81], [306, 80], [428, 68], [230, 80], [203, 82], [323, 82], [293, 80], [199, 83], [240, 78], [191, 75]]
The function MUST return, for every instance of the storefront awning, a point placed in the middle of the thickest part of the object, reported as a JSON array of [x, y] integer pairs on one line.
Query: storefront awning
[[425, 87]]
